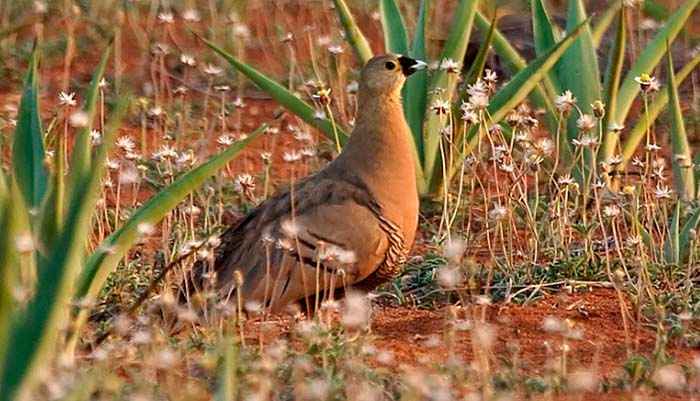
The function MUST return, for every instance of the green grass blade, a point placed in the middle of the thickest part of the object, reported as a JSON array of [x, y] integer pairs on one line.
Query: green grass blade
[[577, 70], [672, 251], [455, 48], [10, 218], [655, 10], [685, 236], [682, 159], [227, 383], [543, 34], [82, 150], [415, 95], [281, 95], [105, 259], [395, 35], [34, 336], [649, 58], [613, 74], [606, 19], [477, 67], [543, 94], [353, 34], [636, 134], [28, 148], [515, 91]]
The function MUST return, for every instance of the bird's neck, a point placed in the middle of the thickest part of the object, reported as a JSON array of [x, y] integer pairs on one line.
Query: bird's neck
[[381, 138], [380, 150]]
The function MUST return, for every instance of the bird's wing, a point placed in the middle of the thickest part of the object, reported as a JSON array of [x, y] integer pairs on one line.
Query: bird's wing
[[284, 249]]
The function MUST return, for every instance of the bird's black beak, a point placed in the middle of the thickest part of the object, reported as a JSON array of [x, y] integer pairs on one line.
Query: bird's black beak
[[409, 65]]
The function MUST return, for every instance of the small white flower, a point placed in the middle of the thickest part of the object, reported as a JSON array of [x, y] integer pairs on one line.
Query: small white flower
[[166, 17], [156, 111], [187, 60], [211, 69], [145, 229], [67, 99], [449, 277], [126, 143], [291, 156], [440, 106], [566, 180], [352, 87], [611, 211], [585, 122], [290, 228], [79, 119], [244, 183], [165, 152], [670, 377], [498, 212], [586, 141], [335, 50], [95, 137], [652, 147], [647, 83], [24, 243], [191, 15], [449, 65], [225, 140], [356, 311], [479, 101], [616, 127], [565, 102], [241, 30], [662, 191]]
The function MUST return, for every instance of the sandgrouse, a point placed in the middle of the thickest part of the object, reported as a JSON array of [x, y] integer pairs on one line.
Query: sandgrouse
[[350, 224]]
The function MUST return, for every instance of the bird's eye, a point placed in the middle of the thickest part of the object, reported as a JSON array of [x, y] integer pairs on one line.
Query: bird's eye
[[390, 65]]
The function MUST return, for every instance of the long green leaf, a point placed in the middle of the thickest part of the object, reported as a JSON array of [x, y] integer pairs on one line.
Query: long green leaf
[[28, 148], [10, 221], [35, 335], [649, 58], [82, 151], [477, 67], [442, 85], [395, 35], [227, 383], [105, 259], [543, 34], [636, 134], [655, 10], [682, 159], [672, 249], [282, 95], [353, 34], [543, 94], [604, 22], [684, 242], [416, 89], [613, 74], [515, 91], [577, 70]]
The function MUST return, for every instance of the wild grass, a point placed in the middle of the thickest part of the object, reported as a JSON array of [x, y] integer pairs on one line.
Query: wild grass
[[548, 176]]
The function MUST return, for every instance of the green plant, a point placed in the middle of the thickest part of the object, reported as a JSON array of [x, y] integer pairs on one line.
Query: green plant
[[423, 90], [44, 253]]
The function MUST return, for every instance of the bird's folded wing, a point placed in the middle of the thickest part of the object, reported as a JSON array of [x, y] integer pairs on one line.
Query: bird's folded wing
[[278, 249]]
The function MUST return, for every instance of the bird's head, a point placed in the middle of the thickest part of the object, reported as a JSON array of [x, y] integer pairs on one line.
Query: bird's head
[[386, 74]]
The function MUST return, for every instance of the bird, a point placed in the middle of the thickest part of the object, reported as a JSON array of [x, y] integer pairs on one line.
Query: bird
[[349, 225]]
